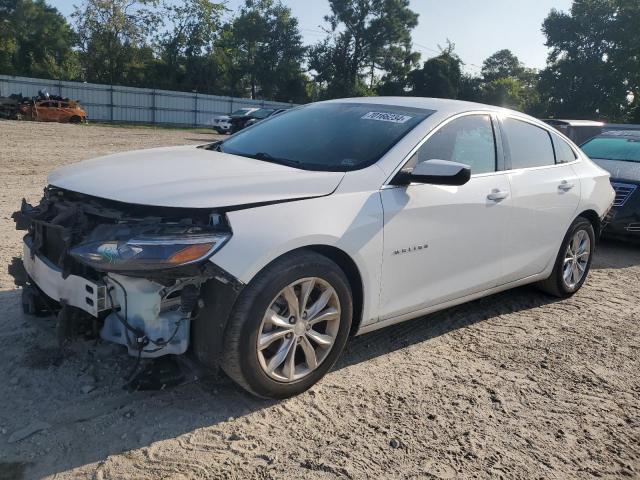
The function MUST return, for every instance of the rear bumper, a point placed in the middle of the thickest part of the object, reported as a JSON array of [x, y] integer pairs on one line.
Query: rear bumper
[[73, 290]]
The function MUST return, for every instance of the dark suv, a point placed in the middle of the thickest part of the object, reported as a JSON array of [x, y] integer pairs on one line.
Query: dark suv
[[238, 122], [619, 153]]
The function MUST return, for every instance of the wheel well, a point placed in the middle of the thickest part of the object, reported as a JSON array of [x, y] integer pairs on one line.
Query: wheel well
[[593, 217], [350, 269]]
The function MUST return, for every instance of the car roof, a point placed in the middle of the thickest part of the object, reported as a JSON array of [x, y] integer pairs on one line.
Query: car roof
[[443, 105]]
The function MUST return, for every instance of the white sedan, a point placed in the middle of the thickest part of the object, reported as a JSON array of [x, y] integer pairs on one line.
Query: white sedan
[[263, 253]]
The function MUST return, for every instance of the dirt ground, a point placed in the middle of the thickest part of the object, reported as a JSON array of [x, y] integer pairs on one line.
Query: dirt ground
[[517, 385]]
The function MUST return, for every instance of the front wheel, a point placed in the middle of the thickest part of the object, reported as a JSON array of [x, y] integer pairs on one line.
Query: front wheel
[[289, 326], [573, 261]]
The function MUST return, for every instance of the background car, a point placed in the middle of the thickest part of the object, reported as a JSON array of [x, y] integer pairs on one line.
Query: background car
[[222, 123], [577, 130], [63, 111], [238, 122], [618, 152], [253, 121]]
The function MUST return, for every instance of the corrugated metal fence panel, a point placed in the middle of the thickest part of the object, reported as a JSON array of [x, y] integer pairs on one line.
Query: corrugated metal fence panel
[[135, 105]]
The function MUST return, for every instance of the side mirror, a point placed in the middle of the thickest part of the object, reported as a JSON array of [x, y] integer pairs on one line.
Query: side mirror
[[435, 172]]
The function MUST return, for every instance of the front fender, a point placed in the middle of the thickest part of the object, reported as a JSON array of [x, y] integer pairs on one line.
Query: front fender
[[351, 222]]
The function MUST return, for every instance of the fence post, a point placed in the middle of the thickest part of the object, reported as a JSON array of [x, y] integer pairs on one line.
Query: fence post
[[153, 106], [230, 104], [195, 110], [111, 101]]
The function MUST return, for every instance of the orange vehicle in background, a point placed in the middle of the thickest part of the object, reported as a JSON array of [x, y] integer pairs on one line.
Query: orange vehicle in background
[[50, 110]]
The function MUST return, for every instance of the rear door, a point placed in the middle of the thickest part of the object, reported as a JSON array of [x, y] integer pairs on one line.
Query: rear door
[[546, 194]]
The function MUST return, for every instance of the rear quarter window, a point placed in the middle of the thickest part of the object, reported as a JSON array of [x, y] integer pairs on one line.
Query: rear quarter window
[[529, 145], [564, 153]]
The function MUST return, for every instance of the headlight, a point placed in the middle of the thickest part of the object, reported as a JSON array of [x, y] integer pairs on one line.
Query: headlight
[[149, 252]]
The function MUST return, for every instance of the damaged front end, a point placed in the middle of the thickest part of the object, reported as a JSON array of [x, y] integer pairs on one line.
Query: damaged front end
[[138, 269]]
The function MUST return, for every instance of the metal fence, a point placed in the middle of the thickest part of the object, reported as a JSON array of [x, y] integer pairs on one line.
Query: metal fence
[[111, 103]]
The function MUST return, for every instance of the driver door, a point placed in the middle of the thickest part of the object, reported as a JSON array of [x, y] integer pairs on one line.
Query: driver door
[[445, 242]]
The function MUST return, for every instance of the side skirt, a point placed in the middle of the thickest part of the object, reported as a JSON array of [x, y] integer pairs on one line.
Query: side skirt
[[451, 303]]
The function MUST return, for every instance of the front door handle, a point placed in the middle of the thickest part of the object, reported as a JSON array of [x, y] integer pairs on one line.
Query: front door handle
[[565, 186], [497, 195]]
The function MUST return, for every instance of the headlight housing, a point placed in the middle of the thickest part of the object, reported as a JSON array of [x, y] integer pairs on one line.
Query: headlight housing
[[149, 252]]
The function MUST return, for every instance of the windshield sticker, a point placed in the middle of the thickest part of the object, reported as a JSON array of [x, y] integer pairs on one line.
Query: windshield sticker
[[387, 117]]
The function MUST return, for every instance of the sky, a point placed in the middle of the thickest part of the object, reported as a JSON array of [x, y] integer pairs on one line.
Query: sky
[[478, 28]]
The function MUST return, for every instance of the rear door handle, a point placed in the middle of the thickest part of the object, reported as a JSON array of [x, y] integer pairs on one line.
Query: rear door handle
[[497, 195], [566, 186]]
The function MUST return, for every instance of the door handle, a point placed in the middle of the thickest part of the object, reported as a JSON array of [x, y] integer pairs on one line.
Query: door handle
[[497, 195], [565, 186]]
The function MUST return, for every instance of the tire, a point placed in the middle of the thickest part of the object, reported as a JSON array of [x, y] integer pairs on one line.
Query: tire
[[75, 119], [242, 359], [556, 284]]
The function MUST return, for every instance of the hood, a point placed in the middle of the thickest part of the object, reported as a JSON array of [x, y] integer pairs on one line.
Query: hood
[[191, 177], [620, 169]]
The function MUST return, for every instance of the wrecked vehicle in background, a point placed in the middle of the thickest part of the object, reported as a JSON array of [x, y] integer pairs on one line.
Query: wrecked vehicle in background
[[10, 107], [42, 108], [62, 110]]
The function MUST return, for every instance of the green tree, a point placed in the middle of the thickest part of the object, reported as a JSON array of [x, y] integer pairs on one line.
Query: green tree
[[263, 51], [439, 76], [502, 64], [36, 40], [186, 50], [593, 65], [470, 88], [368, 39], [113, 38], [506, 82], [505, 92]]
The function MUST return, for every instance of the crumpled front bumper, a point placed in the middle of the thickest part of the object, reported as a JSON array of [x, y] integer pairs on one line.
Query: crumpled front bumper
[[72, 290]]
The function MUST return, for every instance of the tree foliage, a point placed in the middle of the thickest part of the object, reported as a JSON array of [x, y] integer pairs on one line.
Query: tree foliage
[[35, 40], [113, 39], [594, 63], [439, 76], [186, 51], [264, 51], [593, 67], [368, 39]]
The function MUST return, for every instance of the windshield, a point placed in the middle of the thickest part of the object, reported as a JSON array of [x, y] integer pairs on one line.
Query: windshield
[[610, 148], [327, 136]]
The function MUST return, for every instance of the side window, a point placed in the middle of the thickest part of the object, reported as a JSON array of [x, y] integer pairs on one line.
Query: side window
[[530, 146], [564, 153], [469, 140]]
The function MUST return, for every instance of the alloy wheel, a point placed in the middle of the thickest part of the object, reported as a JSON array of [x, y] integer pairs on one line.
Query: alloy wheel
[[299, 329], [576, 259]]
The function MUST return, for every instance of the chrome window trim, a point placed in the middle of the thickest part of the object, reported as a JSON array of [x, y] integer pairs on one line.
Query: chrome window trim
[[497, 134]]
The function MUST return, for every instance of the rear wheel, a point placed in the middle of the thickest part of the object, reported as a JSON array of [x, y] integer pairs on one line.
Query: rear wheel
[[573, 261], [289, 326]]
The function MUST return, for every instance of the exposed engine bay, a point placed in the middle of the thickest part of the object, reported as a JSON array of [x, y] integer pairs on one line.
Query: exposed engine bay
[[138, 270]]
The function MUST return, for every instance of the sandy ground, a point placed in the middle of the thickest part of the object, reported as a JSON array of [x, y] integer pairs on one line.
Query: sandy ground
[[517, 385]]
